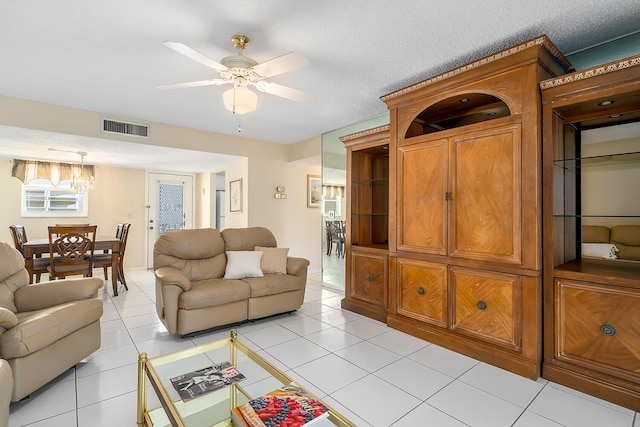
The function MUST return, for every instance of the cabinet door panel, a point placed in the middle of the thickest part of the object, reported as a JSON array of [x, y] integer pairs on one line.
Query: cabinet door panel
[[599, 327], [422, 209], [487, 305], [422, 289], [369, 278], [485, 216]]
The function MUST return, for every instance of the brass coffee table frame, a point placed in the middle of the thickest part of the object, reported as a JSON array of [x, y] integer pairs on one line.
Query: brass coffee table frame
[[146, 371]]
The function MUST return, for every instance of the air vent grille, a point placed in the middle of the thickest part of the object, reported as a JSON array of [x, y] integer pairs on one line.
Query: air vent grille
[[124, 128]]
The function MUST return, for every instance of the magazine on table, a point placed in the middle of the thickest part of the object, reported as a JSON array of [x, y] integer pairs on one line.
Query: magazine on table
[[288, 406], [203, 381]]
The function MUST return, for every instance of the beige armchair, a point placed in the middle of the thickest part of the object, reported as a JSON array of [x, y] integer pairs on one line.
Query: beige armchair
[[6, 379], [45, 328]]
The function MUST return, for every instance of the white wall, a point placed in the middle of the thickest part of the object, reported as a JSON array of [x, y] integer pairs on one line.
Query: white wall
[[118, 196], [267, 165]]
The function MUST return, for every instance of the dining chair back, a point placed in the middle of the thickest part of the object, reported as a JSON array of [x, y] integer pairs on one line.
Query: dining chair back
[[123, 245], [338, 237], [71, 250], [105, 260], [19, 234], [328, 229]]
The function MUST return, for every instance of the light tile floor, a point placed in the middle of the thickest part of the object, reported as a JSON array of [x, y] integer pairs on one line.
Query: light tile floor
[[374, 375]]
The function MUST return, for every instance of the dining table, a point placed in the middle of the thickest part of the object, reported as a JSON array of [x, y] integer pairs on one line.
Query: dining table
[[33, 248]]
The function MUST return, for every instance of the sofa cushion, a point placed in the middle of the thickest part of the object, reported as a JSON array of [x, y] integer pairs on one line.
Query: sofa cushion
[[198, 254], [246, 239], [627, 239], [213, 292], [241, 264], [38, 329], [273, 284], [595, 234], [274, 260]]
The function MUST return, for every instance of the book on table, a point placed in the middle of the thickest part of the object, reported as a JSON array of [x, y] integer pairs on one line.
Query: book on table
[[288, 406], [197, 383]]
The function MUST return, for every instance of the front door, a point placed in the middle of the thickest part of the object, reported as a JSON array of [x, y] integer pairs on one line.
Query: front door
[[170, 206]]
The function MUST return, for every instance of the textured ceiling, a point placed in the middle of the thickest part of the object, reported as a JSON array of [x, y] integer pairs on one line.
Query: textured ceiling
[[108, 56]]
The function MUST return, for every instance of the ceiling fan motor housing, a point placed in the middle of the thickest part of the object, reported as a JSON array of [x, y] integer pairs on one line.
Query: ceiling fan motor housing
[[238, 61]]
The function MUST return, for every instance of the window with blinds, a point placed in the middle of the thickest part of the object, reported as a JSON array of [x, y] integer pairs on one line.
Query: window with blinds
[[41, 199]]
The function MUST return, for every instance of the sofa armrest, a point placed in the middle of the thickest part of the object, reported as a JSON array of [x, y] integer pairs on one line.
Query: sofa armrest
[[171, 276], [297, 266], [8, 319], [48, 294]]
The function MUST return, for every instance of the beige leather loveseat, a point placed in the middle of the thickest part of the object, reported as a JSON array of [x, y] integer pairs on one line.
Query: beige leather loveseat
[[207, 278], [45, 328], [624, 240]]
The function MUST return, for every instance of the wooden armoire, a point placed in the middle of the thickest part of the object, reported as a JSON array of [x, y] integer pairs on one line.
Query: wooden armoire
[[460, 262]]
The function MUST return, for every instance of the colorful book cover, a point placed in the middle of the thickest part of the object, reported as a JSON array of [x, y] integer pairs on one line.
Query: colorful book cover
[[203, 381], [289, 406]]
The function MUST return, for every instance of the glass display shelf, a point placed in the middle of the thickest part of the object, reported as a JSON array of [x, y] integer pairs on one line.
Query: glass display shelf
[[593, 216], [631, 159]]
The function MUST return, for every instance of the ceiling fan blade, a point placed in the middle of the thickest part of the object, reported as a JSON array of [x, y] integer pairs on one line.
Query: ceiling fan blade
[[284, 92], [195, 55], [282, 64], [210, 82]]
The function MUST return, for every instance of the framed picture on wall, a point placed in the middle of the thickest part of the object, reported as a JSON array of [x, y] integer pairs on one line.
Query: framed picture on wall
[[235, 196], [314, 191]]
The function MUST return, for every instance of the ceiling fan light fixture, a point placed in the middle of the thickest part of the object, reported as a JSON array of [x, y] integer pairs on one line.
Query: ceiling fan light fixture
[[240, 100]]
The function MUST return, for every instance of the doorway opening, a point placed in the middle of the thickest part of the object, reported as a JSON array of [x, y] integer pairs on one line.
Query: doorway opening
[[169, 206]]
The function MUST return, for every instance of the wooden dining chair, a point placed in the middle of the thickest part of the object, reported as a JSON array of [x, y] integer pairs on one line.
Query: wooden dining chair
[[104, 260], [338, 237], [328, 229], [19, 234], [71, 250]]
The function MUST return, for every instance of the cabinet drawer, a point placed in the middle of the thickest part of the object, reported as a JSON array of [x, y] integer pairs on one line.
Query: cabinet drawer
[[598, 327], [487, 305], [369, 275], [422, 291]]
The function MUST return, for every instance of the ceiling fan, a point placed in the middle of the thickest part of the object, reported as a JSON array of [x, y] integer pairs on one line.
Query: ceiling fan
[[242, 72]]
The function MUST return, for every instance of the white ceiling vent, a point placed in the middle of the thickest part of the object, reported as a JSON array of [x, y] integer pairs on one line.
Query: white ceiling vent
[[124, 128]]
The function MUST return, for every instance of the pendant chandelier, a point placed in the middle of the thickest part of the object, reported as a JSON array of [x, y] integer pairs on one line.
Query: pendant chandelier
[[80, 183]]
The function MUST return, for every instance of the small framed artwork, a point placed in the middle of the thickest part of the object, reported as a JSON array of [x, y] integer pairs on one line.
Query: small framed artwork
[[314, 191], [235, 195]]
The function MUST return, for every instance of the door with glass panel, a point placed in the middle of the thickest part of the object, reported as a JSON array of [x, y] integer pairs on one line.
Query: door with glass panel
[[170, 206]]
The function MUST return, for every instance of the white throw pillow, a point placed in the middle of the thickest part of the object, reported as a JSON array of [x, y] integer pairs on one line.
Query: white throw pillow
[[599, 250], [274, 260], [241, 264]]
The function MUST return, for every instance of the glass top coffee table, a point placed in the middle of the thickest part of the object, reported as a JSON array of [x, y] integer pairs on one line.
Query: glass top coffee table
[[213, 408]]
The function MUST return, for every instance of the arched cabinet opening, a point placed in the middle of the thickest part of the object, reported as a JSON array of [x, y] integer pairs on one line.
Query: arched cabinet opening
[[460, 110]]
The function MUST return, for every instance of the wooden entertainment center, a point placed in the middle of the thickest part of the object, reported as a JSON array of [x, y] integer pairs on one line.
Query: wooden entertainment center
[[450, 227]]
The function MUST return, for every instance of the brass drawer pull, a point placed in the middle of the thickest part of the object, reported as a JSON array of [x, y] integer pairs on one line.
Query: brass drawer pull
[[482, 305], [420, 290], [368, 277], [608, 330]]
